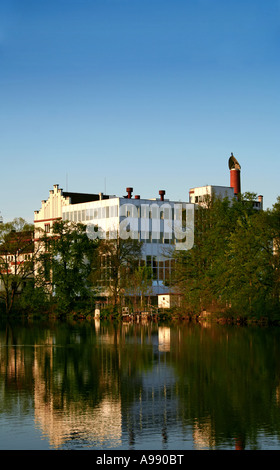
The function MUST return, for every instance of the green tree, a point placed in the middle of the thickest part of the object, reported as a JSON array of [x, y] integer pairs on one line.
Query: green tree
[[273, 223], [249, 276], [231, 261], [139, 284], [197, 270], [68, 260], [17, 257], [118, 259]]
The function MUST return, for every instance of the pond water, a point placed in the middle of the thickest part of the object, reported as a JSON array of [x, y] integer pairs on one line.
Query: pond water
[[139, 386]]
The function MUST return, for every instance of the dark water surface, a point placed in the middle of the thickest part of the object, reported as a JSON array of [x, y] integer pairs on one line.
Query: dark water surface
[[139, 386]]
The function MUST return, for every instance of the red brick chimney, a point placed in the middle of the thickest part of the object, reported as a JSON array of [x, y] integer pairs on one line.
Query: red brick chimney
[[234, 174], [161, 193], [129, 192]]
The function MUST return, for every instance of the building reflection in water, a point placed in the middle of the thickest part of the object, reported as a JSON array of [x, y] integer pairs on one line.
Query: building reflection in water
[[73, 420], [203, 435], [163, 338], [108, 386], [151, 407], [106, 424], [101, 426]]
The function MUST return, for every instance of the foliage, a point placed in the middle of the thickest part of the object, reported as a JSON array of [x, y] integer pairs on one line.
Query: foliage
[[33, 299], [17, 256], [117, 261], [139, 284], [232, 264], [68, 259]]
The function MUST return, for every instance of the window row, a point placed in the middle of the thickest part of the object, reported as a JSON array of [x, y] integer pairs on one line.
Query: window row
[[86, 215]]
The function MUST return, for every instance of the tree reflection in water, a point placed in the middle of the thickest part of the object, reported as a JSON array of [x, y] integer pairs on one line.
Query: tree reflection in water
[[143, 386]]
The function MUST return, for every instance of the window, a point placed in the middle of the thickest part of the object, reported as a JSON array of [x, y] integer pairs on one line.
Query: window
[[47, 228], [155, 268], [161, 271]]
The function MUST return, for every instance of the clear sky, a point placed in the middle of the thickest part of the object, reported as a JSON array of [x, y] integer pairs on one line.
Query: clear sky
[[99, 95]]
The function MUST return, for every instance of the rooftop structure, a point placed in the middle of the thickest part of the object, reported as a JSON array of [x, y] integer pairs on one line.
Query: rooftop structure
[[200, 195]]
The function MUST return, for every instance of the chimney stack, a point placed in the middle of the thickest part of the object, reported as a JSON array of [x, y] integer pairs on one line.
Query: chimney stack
[[234, 174], [129, 192], [161, 193]]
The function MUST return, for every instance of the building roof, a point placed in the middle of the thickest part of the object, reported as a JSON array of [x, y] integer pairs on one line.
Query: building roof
[[77, 198]]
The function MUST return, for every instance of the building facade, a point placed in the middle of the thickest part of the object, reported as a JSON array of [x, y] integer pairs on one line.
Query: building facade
[[158, 223], [51, 208], [200, 194]]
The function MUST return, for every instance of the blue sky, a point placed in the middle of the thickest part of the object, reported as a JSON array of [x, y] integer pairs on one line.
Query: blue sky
[[100, 95]]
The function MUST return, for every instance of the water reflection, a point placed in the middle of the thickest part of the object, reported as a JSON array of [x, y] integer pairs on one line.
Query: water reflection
[[141, 386]]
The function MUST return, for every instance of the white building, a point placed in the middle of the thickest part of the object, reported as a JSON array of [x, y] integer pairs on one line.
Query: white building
[[169, 300], [200, 194], [51, 208], [156, 222]]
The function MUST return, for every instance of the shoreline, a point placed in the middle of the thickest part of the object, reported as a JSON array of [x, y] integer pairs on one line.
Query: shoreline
[[169, 316]]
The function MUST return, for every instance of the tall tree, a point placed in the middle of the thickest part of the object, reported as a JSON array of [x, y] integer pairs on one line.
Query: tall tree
[[140, 283], [273, 223], [17, 258], [231, 257], [118, 259], [68, 259], [197, 269], [249, 275]]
